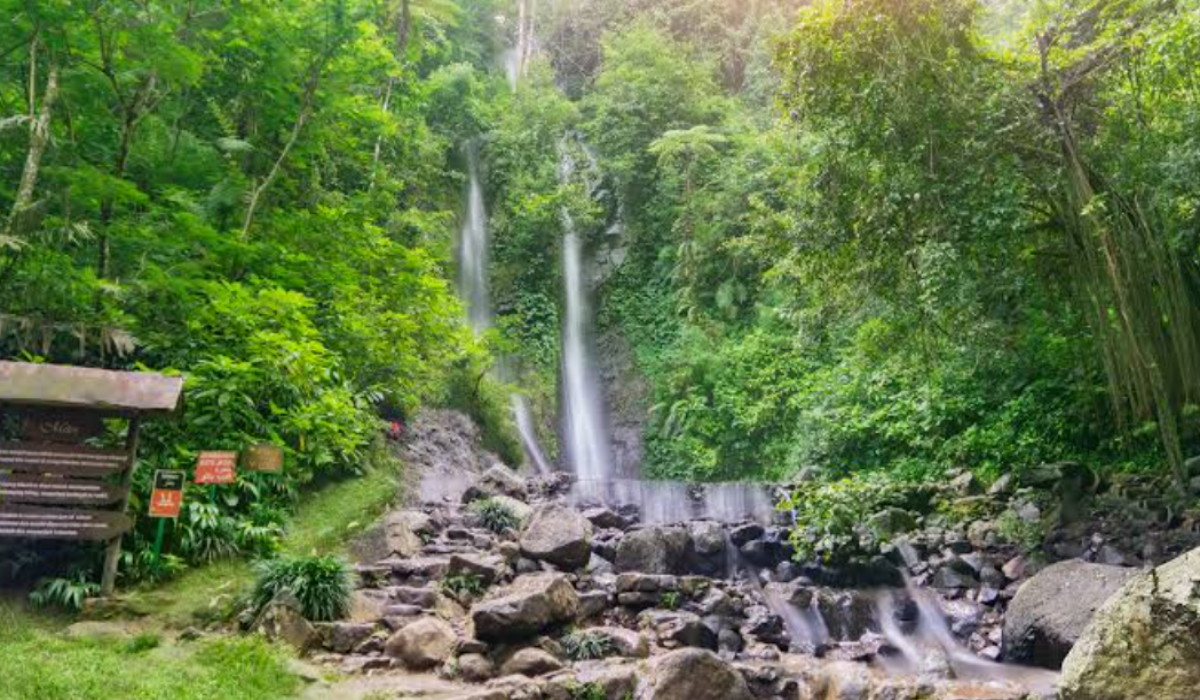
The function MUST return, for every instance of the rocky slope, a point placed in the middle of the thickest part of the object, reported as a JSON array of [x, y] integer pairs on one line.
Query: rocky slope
[[552, 600]]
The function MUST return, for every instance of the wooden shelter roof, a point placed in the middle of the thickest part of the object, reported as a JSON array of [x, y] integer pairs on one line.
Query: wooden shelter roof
[[88, 388]]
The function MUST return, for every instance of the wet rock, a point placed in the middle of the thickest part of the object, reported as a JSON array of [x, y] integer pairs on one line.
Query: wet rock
[[423, 644], [1014, 569], [559, 535], [654, 550], [606, 519], [1143, 643], [849, 614], [531, 604], [489, 568], [765, 626], [475, 668], [678, 628], [1051, 610], [746, 532], [951, 576], [846, 680], [530, 661], [695, 674]]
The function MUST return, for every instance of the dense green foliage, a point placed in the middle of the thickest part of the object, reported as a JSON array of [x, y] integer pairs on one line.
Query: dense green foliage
[[260, 196], [856, 236]]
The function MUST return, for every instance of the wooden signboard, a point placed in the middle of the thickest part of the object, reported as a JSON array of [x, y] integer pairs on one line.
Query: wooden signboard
[[216, 468], [68, 460], [51, 490], [61, 523], [167, 498], [53, 485], [71, 426], [263, 458]]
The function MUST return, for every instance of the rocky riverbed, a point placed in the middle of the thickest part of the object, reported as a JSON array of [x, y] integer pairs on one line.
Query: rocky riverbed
[[580, 601]]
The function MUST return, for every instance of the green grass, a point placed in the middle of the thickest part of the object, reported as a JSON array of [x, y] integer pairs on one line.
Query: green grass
[[39, 663]]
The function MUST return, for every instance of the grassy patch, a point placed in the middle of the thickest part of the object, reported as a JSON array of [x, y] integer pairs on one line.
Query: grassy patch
[[37, 663]]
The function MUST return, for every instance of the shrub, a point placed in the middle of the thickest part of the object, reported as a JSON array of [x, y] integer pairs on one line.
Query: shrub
[[586, 691], [65, 593], [464, 585], [586, 646], [496, 515], [670, 600], [322, 585]]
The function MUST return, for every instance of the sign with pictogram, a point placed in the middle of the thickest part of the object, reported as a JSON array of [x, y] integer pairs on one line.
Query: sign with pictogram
[[166, 499], [216, 468]]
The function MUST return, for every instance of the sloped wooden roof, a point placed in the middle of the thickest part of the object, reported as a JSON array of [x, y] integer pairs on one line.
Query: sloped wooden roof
[[85, 387]]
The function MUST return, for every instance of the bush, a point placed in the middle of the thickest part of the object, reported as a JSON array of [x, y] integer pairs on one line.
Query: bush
[[587, 646], [322, 585], [496, 516], [65, 593], [831, 517]]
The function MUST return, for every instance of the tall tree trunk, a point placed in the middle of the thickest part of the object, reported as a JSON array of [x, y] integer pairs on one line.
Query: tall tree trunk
[[39, 138]]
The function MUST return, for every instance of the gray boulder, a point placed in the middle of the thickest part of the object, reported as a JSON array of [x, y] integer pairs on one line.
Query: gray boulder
[[654, 550], [1144, 642], [423, 644], [559, 535], [1051, 610], [530, 661], [695, 674], [532, 603]]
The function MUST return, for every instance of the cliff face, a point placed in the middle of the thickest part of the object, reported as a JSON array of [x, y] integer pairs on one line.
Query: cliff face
[[627, 397]]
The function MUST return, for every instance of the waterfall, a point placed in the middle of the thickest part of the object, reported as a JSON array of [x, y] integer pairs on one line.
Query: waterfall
[[473, 248], [586, 438], [473, 288]]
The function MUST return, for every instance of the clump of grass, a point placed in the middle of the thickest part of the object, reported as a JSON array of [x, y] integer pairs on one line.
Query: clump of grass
[[64, 593], [496, 515], [322, 585], [587, 646], [670, 600]]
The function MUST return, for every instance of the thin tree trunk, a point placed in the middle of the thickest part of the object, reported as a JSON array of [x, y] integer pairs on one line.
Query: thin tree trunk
[[301, 120], [39, 138]]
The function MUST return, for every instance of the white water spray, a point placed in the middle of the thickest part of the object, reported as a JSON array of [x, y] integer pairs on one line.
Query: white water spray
[[473, 248]]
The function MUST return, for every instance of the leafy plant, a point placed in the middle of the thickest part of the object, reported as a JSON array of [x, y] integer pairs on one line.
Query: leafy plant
[[584, 645], [670, 600], [321, 584], [586, 691], [64, 593], [496, 515], [464, 585]]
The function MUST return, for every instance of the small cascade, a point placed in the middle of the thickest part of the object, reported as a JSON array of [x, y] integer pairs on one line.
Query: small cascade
[[525, 427], [931, 637], [805, 626], [662, 502]]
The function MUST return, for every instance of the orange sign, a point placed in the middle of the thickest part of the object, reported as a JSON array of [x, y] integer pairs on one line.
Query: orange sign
[[167, 497], [216, 468]]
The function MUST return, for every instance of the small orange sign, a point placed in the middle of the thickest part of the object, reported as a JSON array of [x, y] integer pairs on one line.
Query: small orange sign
[[167, 497], [216, 468]]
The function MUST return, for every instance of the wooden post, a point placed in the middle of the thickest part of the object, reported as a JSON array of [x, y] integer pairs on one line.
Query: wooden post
[[112, 555]]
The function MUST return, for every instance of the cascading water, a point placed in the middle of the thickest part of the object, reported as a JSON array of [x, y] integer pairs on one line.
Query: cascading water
[[473, 248], [587, 446], [473, 288]]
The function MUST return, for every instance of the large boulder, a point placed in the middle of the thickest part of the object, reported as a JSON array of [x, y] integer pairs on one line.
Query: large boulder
[[500, 480], [532, 603], [423, 644], [1144, 642], [406, 530], [1051, 610], [654, 550], [560, 535], [695, 674], [530, 661]]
